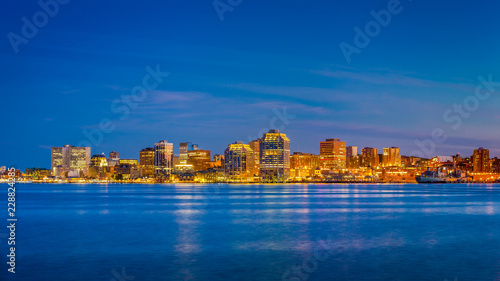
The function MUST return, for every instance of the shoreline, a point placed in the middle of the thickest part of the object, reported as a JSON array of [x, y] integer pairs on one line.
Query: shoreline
[[252, 183]]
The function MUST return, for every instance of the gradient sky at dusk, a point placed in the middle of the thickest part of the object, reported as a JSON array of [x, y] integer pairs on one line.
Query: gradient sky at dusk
[[228, 78]]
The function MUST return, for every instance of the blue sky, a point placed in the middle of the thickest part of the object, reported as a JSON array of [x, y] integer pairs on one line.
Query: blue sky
[[227, 79]]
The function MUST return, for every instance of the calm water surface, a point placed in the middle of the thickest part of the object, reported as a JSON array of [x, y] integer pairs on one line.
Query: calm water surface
[[251, 232]]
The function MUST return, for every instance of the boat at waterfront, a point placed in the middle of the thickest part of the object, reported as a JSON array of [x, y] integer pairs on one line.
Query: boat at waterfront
[[442, 175]]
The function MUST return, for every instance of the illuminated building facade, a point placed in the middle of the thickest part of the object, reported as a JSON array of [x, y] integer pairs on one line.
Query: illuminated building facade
[[184, 148], [274, 157], [239, 162], [352, 158], [164, 158], [370, 157], [113, 159], [333, 154], [98, 160], [70, 158], [391, 157], [481, 160], [128, 161], [147, 161], [98, 166], [255, 146], [199, 159], [303, 165]]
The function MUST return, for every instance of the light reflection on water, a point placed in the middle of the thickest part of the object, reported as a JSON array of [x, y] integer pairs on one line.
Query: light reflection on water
[[255, 232]]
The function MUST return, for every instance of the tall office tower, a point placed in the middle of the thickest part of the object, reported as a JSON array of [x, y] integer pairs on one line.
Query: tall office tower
[[351, 151], [255, 146], [147, 161], [274, 157], [332, 153], [303, 165], [239, 162], [164, 158], [70, 158], [391, 157], [370, 157], [113, 159], [184, 147], [481, 160], [199, 159]]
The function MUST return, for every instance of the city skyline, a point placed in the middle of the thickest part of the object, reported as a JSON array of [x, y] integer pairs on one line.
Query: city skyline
[[231, 79], [175, 147]]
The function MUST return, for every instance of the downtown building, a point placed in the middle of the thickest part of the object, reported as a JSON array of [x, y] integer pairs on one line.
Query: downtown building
[[391, 157], [303, 165], [274, 162], [147, 161], [481, 160], [98, 168], [239, 162], [163, 158], [199, 159], [333, 154], [369, 157], [255, 146], [352, 158], [70, 161]]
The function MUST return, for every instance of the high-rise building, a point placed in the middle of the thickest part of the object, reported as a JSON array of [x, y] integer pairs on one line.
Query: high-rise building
[[255, 146], [481, 160], [147, 161], [351, 152], [391, 157], [274, 157], [70, 158], [164, 158], [370, 157], [199, 159], [303, 165], [239, 162], [184, 147], [332, 153], [113, 159]]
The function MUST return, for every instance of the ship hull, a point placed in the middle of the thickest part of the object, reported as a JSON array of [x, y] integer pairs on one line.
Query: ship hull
[[421, 179]]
